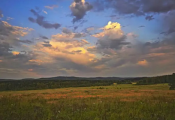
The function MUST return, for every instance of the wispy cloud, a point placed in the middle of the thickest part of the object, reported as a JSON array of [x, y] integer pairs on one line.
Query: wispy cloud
[[41, 22], [51, 7], [44, 12]]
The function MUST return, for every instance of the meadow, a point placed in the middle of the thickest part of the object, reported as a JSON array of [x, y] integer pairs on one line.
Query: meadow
[[114, 102]]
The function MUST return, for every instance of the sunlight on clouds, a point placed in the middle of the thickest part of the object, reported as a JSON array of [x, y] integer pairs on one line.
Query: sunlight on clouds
[[39, 62], [15, 53], [16, 30], [61, 50], [111, 29], [66, 47], [30, 70], [74, 3], [143, 62], [112, 26]]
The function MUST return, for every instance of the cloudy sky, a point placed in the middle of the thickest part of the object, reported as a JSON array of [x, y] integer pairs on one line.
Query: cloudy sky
[[86, 38]]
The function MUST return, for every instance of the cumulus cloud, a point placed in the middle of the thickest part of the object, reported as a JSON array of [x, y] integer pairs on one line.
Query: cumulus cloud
[[79, 9], [69, 53], [41, 22], [112, 37], [62, 52], [140, 57]]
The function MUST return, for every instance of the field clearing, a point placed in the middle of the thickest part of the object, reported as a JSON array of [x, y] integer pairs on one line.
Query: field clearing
[[113, 91], [115, 102]]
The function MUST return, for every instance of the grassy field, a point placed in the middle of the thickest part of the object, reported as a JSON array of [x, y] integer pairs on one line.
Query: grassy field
[[115, 102]]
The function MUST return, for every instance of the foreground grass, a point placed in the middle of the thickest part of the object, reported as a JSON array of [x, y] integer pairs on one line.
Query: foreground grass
[[156, 108], [121, 102]]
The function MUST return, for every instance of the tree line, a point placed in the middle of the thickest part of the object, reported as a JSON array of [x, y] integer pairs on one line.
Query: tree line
[[159, 79], [52, 83]]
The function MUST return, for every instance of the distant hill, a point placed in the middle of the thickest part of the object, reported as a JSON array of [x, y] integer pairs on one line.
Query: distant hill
[[66, 81]]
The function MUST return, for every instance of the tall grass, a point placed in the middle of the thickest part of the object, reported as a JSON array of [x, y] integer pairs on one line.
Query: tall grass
[[22, 108]]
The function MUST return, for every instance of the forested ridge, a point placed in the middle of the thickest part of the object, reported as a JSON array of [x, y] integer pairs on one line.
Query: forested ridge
[[65, 82]]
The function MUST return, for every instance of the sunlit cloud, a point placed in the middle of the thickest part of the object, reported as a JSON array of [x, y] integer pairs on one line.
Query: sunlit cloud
[[30, 70], [16, 30], [66, 47], [143, 63], [79, 9], [15, 53]]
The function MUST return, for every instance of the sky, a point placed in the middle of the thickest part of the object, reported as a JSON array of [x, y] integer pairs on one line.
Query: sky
[[86, 38]]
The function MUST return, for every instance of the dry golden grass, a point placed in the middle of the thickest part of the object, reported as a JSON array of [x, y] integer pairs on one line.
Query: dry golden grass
[[124, 92]]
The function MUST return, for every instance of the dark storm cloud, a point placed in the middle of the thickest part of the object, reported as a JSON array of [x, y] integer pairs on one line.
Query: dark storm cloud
[[79, 9], [40, 21], [149, 18]]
